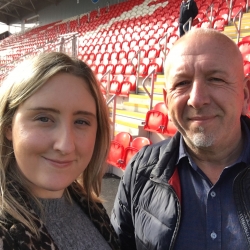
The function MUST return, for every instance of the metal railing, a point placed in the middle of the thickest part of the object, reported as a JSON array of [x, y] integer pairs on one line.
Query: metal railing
[[165, 47], [152, 82], [189, 23], [57, 46], [107, 87], [113, 99], [238, 27]]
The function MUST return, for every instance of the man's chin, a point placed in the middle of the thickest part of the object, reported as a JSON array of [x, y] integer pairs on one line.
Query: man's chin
[[200, 140]]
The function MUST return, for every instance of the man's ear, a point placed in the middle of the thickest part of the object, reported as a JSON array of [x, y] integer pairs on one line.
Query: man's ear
[[245, 108], [165, 97], [8, 133], [166, 101]]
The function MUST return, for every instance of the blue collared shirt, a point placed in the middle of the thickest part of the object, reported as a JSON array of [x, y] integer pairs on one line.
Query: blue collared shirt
[[209, 219]]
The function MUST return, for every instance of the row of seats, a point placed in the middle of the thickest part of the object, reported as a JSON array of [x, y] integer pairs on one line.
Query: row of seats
[[124, 147], [157, 120]]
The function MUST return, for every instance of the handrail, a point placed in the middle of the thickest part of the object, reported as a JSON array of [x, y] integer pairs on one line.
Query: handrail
[[189, 23], [165, 47], [60, 43], [137, 55], [151, 93], [239, 13], [113, 98], [211, 14], [107, 88], [230, 5]]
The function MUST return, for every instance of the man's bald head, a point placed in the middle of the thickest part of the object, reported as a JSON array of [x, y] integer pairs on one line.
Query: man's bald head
[[202, 41]]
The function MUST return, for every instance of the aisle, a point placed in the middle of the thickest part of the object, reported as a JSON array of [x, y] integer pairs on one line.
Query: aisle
[[109, 189]]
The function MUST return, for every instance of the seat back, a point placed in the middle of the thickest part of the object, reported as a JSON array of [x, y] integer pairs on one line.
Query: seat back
[[115, 87], [219, 23], [128, 154], [246, 68], [155, 121], [161, 106], [123, 138], [140, 142], [125, 89], [244, 47], [116, 154]]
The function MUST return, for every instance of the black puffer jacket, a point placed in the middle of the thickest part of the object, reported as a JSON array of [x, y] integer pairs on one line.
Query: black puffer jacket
[[188, 9], [146, 214]]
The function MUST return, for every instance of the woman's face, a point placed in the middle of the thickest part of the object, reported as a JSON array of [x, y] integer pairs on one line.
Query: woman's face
[[53, 134]]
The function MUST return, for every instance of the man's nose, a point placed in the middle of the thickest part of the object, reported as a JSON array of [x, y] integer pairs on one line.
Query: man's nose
[[199, 94]]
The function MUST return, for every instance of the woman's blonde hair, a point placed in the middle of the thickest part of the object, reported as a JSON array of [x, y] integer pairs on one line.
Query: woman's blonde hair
[[23, 82]]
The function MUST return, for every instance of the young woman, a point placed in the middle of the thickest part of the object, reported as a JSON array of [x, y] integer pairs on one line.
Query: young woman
[[55, 136]]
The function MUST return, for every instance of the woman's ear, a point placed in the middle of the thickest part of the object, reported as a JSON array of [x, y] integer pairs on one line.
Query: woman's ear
[[8, 133]]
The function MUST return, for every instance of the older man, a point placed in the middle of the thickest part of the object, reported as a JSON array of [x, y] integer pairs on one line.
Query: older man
[[193, 192]]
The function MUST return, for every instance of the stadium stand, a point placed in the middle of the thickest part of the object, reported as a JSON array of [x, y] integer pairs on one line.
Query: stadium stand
[[124, 43]]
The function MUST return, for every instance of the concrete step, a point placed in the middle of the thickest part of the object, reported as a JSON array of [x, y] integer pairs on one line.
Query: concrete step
[[131, 112]]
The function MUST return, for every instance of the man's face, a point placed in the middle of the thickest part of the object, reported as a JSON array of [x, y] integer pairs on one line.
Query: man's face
[[206, 92]]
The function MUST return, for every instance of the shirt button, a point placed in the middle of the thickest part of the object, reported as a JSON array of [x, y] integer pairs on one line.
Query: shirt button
[[213, 235], [213, 194]]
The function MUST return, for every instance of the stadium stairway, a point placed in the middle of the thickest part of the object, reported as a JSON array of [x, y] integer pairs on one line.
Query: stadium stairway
[[230, 30], [131, 113]]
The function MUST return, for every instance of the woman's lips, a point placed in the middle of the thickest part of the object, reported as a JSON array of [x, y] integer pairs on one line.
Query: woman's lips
[[59, 163]]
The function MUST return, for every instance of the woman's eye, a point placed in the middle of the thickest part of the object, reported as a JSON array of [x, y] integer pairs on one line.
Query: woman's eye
[[43, 119], [82, 122]]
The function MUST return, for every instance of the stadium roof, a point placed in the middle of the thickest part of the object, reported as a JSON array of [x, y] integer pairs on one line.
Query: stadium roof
[[15, 10]]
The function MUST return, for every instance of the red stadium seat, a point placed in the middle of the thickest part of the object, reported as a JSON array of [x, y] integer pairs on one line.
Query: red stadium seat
[[94, 68], [131, 54], [119, 69], [142, 42], [140, 142], [101, 68], [244, 47], [106, 56], [205, 24], [110, 67], [246, 68], [153, 53], [119, 78], [142, 70], [161, 106], [132, 80], [122, 54], [129, 69], [155, 121], [115, 87], [125, 89], [123, 138], [116, 154], [114, 55], [242, 3], [219, 23], [128, 154], [235, 10], [99, 57], [170, 130]]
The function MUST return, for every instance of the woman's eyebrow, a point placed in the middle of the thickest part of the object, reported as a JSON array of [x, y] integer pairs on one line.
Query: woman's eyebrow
[[44, 109], [79, 112]]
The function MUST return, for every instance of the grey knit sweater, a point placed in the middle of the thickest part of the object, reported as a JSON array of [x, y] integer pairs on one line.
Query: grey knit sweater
[[69, 227]]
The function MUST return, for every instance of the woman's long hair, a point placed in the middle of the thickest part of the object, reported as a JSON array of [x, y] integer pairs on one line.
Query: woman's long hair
[[22, 83]]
